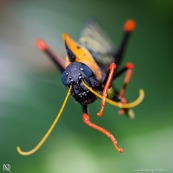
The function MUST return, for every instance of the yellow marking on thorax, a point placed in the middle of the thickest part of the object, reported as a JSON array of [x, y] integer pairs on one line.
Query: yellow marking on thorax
[[82, 55]]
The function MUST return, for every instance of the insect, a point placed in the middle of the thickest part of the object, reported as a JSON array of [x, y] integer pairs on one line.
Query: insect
[[88, 71]]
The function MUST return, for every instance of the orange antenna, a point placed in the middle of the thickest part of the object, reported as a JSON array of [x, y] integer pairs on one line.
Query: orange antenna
[[119, 104], [25, 153]]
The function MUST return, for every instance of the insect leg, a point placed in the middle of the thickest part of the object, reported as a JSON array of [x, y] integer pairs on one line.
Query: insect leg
[[129, 26], [128, 69], [112, 68], [56, 59], [86, 119]]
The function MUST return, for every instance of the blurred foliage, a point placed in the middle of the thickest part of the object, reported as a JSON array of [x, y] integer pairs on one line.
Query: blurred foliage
[[31, 92]]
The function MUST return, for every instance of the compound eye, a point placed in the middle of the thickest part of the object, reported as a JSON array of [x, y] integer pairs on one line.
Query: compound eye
[[86, 70], [64, 77]]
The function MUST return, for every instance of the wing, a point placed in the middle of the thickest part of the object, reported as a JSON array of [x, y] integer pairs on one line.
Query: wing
[[98, 43]]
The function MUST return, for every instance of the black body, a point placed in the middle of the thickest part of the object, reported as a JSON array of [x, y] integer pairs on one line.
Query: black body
[[73, 75], [96, 41]]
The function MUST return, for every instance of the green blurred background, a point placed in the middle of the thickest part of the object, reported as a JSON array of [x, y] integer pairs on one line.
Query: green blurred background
[[31, 92]]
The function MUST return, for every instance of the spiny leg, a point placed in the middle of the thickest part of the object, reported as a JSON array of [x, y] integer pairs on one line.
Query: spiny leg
[[128, 69], [56, 59], [86, 119], [129, 27], [112, 68]]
